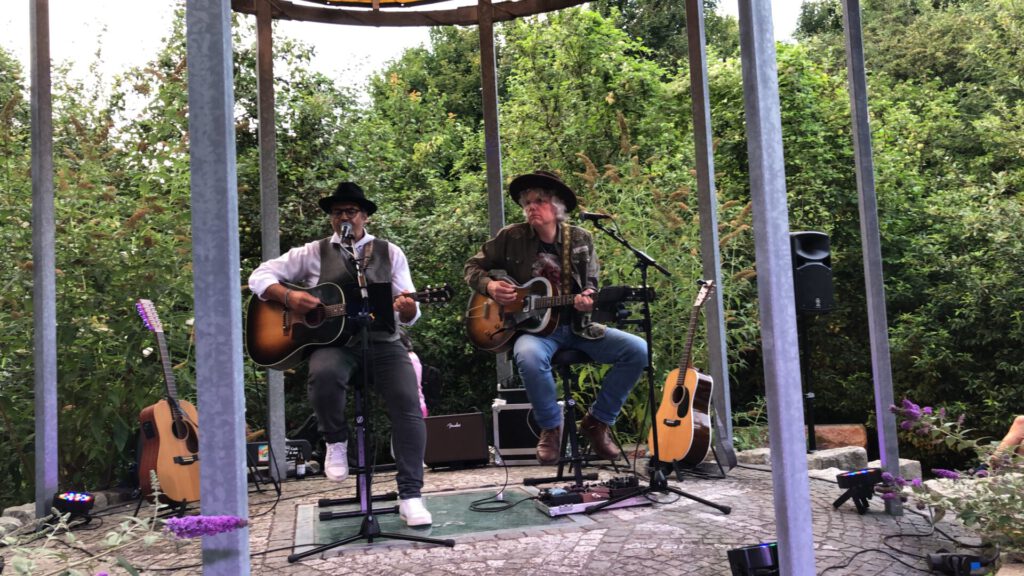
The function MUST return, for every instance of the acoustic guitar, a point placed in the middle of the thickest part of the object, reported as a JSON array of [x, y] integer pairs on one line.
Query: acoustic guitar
[[276, 338], [493, 327], [683, 420], [170, 431]]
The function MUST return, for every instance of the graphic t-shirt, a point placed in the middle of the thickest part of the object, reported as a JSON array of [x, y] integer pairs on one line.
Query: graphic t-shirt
[[548, 265]]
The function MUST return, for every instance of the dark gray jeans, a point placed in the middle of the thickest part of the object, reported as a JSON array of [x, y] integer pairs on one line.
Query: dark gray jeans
[[393, 379]]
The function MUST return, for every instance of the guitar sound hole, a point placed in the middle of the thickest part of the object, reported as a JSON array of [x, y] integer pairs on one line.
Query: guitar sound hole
[[179, 429], [680, 397], [316, 316]]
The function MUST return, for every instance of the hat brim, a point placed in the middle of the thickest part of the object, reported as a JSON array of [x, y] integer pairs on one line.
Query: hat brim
[[527, 181], [366, 205]]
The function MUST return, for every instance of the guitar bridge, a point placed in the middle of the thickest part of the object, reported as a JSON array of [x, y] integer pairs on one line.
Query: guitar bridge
[[186, 460], [671, 423]]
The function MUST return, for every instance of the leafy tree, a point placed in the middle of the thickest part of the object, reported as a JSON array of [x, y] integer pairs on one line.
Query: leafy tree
[[660, 25]]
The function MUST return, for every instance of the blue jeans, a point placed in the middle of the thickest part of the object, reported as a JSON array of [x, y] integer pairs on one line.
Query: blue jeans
[[626, 352]]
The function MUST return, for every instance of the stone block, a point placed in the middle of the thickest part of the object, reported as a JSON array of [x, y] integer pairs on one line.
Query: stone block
[[846, 458], [758, 456], [828, 436], [25, 512], [909, 469], [9, 524]]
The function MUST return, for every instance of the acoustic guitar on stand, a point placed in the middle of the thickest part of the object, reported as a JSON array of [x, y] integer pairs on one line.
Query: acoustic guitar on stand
[[170, 431], [683, 419], [275, 337]]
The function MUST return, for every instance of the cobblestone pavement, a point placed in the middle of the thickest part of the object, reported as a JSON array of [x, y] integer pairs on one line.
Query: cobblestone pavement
[[679, 537]]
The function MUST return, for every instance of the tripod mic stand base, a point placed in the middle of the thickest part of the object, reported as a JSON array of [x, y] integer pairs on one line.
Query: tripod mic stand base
[[369, 530]]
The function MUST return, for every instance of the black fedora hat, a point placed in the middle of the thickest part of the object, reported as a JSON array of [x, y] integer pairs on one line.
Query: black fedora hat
[[546, 180], [348, 192]]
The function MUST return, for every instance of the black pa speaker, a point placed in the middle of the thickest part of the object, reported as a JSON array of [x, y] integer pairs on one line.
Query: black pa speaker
[[812, 271], [456, 441]]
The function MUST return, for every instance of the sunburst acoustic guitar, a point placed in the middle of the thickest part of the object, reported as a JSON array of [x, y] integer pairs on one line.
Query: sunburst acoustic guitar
[[276, 338]]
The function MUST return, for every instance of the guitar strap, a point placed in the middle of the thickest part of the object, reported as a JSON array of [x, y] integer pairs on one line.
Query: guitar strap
[[566, 262]]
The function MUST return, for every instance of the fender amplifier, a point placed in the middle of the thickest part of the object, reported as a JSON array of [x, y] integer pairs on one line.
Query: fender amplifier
[[456, 441]]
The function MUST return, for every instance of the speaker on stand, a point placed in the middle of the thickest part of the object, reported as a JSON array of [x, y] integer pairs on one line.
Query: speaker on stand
[[813, 294]]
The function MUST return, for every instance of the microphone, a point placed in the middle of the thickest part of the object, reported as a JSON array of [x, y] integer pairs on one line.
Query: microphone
[[593, 216], [346, 232]]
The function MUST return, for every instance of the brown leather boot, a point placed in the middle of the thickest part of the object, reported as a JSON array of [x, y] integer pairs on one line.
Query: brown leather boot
[[549, 446], [600, 437]]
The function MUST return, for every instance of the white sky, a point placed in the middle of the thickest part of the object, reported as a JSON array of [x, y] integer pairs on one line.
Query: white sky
[[131, 32]]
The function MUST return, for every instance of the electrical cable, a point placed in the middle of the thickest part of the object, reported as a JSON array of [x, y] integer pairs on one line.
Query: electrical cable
[[497, 502]]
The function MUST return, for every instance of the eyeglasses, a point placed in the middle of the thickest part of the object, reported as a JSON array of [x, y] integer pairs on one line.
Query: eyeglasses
[[350, 212]]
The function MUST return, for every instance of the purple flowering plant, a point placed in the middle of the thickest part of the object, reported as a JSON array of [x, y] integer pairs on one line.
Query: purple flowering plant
[[988, 498], [196, 526], [37, 554]]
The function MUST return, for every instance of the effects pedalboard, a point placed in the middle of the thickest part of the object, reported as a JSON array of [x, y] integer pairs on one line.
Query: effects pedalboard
[[576, 499]]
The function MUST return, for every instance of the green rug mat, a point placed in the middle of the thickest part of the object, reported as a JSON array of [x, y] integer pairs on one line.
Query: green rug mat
[[451, 514]]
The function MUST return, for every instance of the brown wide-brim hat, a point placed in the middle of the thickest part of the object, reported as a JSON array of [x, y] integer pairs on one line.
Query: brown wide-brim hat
[[348, 192], [546, 180]]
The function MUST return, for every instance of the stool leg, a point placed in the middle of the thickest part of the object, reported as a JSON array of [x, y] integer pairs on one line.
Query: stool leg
[[570, 438]]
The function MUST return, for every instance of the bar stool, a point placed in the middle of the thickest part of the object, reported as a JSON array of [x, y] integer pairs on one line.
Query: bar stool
[[562, 363]]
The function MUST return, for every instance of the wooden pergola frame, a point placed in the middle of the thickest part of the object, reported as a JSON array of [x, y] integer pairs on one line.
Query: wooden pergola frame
[[219, 361]]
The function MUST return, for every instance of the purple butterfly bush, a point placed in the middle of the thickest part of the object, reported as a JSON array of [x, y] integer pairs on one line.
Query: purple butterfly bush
[[195, 526], [948, 474]]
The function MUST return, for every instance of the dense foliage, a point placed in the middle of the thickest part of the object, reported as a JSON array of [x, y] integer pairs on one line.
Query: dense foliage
[[601, 96]]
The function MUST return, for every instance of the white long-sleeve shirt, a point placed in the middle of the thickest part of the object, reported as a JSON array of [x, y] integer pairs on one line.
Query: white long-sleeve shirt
[[301, 266]]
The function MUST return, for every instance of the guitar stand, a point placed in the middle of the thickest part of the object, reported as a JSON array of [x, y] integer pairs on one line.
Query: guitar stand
[[657, 481], [369, 530], [173, 507]]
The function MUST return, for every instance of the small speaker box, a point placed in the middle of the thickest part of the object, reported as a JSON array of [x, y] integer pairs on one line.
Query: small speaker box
[[456, 441]]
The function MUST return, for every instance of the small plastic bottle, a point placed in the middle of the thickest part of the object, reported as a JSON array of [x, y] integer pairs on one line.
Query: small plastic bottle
[[300, 466]]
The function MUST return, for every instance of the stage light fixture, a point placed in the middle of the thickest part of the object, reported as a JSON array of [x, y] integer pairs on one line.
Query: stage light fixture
[[77, 504], [759, 560], [860, 486]]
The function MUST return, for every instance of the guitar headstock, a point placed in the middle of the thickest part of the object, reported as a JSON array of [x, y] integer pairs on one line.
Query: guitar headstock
[[435, 295], [706, 288], [149, 316]]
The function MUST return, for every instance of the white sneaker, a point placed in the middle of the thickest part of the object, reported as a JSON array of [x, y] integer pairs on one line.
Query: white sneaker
[[414, 513], [336, 462]]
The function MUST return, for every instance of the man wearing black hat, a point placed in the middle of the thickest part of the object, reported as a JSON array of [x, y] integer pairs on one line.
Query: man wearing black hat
[[331, 366], [538, 248]]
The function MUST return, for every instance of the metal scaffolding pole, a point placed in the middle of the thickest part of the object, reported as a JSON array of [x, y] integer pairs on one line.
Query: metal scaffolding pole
[[492, 143], [881, 367], [707, 205], [270, 217], [775, 289], [44, 276], [215, 257]]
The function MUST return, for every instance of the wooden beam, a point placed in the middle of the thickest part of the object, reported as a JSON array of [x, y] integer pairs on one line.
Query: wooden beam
[[464, 16]]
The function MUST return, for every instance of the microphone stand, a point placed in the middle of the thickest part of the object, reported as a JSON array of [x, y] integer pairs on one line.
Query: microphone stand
[[370, 527], [657, 481]]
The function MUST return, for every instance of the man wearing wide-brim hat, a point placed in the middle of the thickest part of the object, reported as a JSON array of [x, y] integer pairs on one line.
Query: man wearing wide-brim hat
[[543, 247], [332, 261]]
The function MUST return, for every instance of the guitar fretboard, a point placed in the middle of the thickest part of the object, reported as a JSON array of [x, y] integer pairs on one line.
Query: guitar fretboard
[[553, 301], [172, 391]]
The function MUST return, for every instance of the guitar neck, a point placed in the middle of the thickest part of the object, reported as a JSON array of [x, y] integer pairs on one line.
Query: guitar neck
[[172, 391], [553, 301], [686, 360]]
